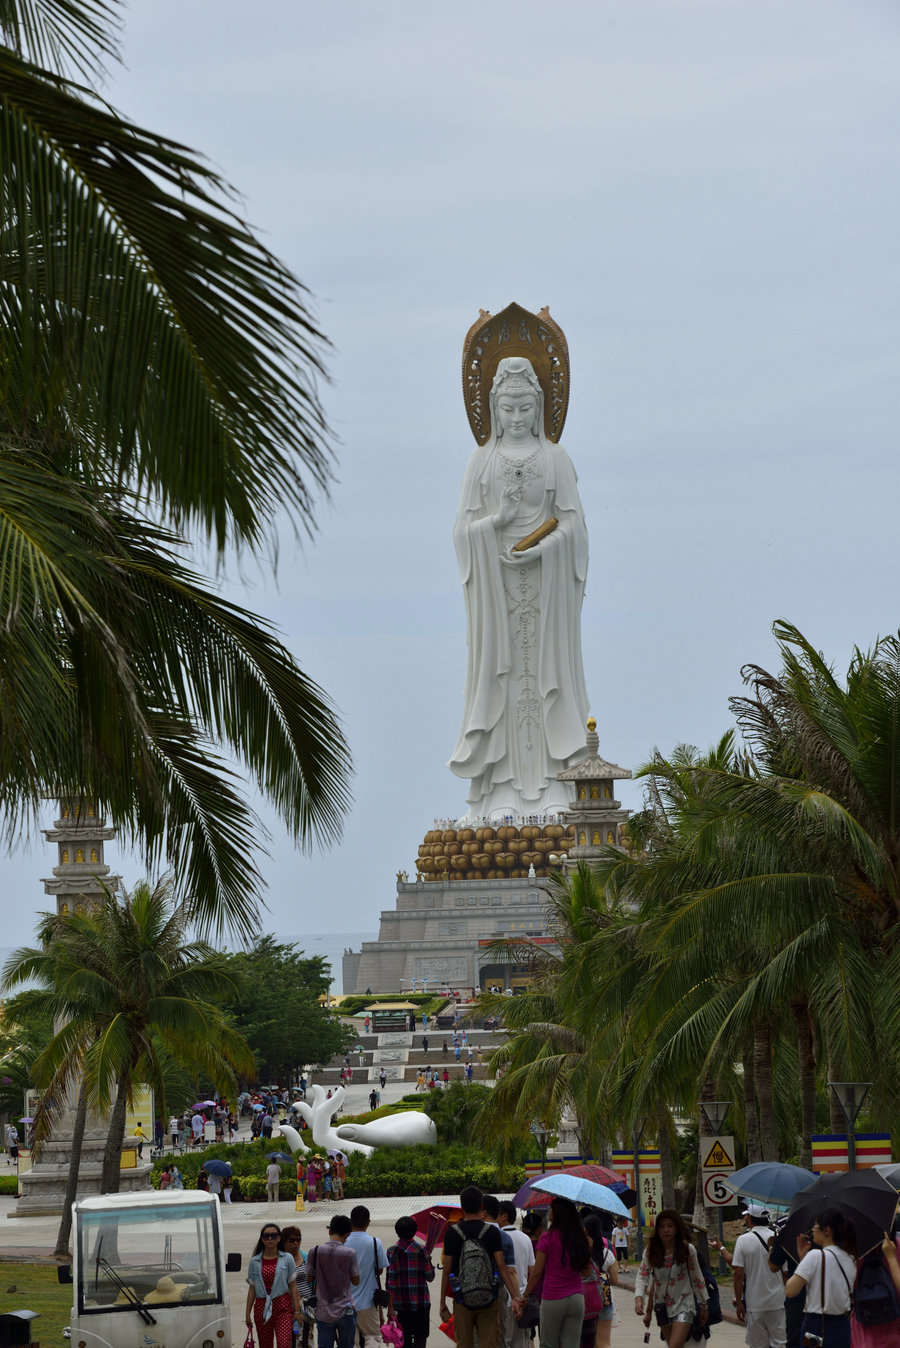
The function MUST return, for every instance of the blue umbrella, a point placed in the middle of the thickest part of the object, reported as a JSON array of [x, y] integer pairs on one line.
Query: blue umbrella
[[583, 1191], [280, 1156], [600, 1174], [891, 1173], [772, 1182], [217, 1167]]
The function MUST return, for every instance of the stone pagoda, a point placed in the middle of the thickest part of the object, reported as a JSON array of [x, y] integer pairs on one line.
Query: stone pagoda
[[81, 876], [78, 883], [595, 815]]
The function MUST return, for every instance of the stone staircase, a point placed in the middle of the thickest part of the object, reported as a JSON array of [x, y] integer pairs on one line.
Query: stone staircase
[[402, 1056]]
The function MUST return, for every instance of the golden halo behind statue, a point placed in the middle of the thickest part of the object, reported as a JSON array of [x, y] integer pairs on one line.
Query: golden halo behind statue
[[515, 332]]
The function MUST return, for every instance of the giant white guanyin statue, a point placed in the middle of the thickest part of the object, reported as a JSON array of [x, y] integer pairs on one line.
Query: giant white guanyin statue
[[522, 546]]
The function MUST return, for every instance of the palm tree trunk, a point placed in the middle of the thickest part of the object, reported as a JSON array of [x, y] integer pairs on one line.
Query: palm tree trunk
[[751, 1113], [65, 1225], [807, 1065], [112, 1153], [762, 1070], [667, 1178]]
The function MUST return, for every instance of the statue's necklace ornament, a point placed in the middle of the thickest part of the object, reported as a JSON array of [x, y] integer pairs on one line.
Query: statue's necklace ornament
[[520, 471]]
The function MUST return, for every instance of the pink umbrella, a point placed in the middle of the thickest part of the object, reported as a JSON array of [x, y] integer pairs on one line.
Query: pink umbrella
[[437, 1224], [436, 1219]]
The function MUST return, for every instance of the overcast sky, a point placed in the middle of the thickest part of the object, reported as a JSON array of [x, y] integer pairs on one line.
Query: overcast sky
[[705, 193]]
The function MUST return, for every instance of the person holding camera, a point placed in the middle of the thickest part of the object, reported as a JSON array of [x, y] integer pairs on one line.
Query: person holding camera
[[827, 1270], [670, 1277]]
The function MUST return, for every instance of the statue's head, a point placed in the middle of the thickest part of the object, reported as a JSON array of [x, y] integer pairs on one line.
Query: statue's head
[[517, 401]]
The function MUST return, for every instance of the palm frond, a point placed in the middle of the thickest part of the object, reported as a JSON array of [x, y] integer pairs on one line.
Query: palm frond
[[149, 319]]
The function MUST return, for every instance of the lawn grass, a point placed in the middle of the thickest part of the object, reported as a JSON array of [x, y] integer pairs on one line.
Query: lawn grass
[[37, 1289]]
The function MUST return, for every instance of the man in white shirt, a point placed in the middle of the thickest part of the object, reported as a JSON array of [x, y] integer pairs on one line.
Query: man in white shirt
[[523, 1251], [273, 1179], [757, 1284], [372, 1258]]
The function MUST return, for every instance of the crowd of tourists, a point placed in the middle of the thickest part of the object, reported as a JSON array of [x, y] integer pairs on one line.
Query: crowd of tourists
[[321, 1177], [429, 1078], [819, 1295], [217, 1121], [505, 1280]]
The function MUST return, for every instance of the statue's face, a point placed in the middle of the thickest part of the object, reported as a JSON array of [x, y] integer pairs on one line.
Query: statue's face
[[516, 413]]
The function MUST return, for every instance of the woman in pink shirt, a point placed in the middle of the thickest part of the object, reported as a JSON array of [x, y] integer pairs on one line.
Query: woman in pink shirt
[[563, 1253]]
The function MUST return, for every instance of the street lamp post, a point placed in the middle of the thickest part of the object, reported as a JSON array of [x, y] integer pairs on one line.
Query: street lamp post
[[541, 1134], [715, 1112], [850, 1096]]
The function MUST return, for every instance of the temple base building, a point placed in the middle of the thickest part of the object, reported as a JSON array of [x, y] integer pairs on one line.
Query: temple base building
[[478, 885], [436, 936]]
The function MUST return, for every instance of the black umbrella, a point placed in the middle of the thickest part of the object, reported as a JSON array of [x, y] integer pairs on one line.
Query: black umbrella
[[280, 1156], [862, 1195], [217, 1167]]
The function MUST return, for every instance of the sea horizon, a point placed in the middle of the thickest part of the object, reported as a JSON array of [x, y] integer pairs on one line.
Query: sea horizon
[[331, 945]]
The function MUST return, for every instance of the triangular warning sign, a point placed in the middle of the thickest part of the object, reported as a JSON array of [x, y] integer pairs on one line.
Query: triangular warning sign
[[717, 1157]]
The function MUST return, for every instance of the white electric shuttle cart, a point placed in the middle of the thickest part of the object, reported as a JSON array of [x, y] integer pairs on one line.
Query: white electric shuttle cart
[[149, 1272]]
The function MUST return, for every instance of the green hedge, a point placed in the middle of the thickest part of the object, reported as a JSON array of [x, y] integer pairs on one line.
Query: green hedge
[[9, 1184], [391, 1172], [400, 1183]]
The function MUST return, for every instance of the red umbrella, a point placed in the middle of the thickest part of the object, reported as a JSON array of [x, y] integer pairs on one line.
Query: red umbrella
[[600, 1174], [535, 1198], [432, 1222], [437, 1225]]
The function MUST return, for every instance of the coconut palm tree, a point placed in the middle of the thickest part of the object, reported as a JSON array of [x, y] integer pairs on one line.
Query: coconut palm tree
[[691, 1007], [776, 903], [557, 1051], [157, 384], [129, 989], [120, 675]]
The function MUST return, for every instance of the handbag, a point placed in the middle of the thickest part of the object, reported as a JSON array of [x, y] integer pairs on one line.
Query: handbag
[[597, 1292], [304, 1286], [531, 1313], [249, 1340], [392, 1333], [309, 1304], [380, 1297], [447, 1327]]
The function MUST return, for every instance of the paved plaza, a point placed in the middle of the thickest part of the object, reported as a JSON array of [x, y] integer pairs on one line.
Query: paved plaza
[[34, 1237]]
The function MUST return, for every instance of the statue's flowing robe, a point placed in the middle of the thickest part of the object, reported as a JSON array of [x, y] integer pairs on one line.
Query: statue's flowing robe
[[511, 747]]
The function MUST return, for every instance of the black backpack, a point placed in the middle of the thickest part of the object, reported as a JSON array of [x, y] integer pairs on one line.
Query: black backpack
[[714, 1301], [713, 1305], [875, 1297], [475, 1272]]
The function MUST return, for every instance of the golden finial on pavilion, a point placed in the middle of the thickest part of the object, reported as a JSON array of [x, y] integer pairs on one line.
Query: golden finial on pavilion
[[591, 724]]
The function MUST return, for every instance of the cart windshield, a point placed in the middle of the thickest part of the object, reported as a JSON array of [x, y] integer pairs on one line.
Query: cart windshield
[[163, 1254]]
